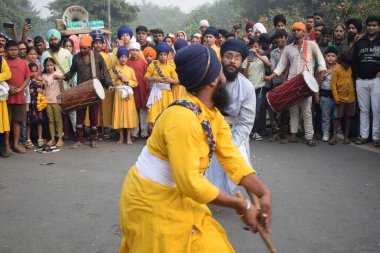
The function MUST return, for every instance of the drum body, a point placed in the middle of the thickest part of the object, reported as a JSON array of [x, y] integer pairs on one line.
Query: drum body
[[292, 91], [81, 96]]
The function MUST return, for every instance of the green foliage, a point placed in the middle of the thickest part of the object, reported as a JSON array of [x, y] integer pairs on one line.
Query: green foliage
[[121, 11], [169, 19], [293, 13], [15, 11]]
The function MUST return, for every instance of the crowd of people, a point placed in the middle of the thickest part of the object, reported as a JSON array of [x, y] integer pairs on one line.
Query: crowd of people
[[139, 77]]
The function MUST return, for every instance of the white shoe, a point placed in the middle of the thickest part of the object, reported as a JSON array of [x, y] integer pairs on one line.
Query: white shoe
[[325, 137], [257, 137], [340, 136]]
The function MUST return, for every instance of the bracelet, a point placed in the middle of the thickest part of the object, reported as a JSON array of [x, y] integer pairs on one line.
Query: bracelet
[[247, 208]]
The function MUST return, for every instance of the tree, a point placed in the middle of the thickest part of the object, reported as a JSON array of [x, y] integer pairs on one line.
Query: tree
[[121, 12], [15, 11]]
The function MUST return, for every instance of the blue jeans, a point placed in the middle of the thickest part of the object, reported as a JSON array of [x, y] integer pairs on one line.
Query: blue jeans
[[327, 106], [261, 109], [23, 133]]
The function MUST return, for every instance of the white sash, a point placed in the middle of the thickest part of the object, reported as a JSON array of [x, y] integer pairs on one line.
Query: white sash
[[153, 168], [4, 91], [126, 91], [155, 93]]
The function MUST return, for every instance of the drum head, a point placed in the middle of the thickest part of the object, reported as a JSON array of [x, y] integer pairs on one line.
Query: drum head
[[99, 89], [310, 81]]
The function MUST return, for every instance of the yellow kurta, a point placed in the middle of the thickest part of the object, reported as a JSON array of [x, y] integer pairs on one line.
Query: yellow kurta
[[4, 118], [217, 51], [178, 90], [168, 70], [105, 116], [124, 111], [342, 85], [156, 218]]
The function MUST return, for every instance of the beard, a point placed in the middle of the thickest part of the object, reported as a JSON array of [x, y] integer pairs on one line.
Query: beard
[[230, 76], [351, 36], [54, 47], [220, 97]]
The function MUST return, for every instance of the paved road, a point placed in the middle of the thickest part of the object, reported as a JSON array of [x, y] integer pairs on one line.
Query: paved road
[[326, 199]]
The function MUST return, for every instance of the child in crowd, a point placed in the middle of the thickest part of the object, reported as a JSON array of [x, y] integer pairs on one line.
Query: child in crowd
[[342, 86], [326, 97], [124, 109], [254, 70], [53, 111], [161, 76], [149, 54], [34, 116], [16, 99], [31, 57]]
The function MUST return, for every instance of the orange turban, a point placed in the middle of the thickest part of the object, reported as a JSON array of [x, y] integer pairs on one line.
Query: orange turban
[[299, 26], [150, 51], [85, 41]]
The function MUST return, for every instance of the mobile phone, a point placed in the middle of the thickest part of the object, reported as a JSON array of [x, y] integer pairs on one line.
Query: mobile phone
[[9, 25], [251, 54], [28, 21]]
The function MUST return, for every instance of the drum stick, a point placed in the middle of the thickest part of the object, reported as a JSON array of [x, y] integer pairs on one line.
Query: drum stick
[[260, 229]]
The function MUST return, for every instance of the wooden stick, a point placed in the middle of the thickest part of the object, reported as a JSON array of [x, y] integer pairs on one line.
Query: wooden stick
[[260, 228]]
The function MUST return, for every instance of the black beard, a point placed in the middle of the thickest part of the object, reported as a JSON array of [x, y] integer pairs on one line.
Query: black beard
[[54, 47], [230, 76], [351, 36], [220, 97]]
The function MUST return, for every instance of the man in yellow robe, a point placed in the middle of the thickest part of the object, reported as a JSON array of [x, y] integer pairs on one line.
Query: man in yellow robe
[[164, 196]]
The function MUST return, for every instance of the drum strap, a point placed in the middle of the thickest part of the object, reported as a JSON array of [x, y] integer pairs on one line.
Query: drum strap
[[56, 61], [92, 59]]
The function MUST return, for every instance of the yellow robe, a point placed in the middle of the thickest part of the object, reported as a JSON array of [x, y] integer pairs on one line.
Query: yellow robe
[[167, 96], [217, 51], [124, 111], [156, 218], [4, 118], [178, 90]]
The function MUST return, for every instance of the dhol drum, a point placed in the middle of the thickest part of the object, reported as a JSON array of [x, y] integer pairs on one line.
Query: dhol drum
[[81, 96], [292, 91]]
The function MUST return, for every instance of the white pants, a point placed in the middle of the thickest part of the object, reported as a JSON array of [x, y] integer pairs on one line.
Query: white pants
[[305, 108], [73, 119], [143, 125], [368, 93]]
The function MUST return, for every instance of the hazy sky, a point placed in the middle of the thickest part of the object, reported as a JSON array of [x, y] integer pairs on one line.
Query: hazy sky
[[185, 6]]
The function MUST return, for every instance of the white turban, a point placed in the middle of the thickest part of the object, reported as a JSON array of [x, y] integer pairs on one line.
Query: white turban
[[260, 27], [204, 22]]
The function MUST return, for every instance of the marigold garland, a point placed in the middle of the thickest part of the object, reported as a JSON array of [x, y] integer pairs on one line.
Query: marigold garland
[[41, 102]]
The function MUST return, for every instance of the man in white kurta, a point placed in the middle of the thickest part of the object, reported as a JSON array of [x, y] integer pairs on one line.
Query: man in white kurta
[[239, 114]]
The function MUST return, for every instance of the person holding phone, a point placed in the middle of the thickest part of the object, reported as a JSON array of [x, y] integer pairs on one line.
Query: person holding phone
[[254, 70]]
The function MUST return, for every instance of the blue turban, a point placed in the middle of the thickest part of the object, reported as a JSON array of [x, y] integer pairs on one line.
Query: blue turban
[[53, 32], [180, 43], [97, 35], [124, 29], [122, 50], [196, 66], [236, 46], [162, 47], [212, 30]]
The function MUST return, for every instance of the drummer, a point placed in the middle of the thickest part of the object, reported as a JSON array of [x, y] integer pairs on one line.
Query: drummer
[[82, 66], [300, 56]]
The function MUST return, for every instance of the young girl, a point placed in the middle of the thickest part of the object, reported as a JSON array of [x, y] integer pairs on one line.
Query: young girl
[[327, 101], [34, 115], [31, 57], [124, 109], [52, 90], [342, 86]]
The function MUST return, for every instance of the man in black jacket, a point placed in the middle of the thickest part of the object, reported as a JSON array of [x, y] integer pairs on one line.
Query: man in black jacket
[[366, 71]]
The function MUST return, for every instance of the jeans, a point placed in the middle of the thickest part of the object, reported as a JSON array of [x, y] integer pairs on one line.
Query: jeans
[[23, 133], [327, 106], [261, 108]]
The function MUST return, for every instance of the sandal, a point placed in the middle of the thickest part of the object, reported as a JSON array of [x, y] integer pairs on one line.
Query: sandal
[[29, 144], [6, 153], [60, 144], [19, 149], [361, 141], [333, 141], [346, 141], [51, 143], [310, 143], [41, 142]]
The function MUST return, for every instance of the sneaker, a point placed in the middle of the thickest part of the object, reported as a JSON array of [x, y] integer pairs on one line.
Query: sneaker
[[257, 137], [325, 137], [340, 136]]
